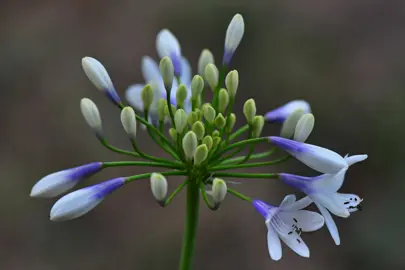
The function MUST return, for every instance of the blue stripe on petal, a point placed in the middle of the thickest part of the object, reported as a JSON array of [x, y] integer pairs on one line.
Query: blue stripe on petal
[[105, 188]]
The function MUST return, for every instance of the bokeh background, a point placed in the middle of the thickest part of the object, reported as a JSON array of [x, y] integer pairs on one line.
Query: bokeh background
[[345, 57]]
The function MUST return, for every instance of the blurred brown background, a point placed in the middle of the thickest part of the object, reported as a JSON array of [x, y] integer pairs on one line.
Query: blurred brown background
[[345, 57]]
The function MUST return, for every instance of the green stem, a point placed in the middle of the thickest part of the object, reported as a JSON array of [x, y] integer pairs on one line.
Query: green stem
[[239, 144], [146, 156], [146, 175], [205, 197], [255, 156], [239, 132], [141, 163], [239, 195], [117, 150], [190, 230], [248, 175], [249, 165], [178, 189]]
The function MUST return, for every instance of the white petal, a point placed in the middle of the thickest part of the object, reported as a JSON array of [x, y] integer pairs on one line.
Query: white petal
[[354, 159], [96, 73], [348, 201], [150, 70], [133, 96], [331, 203], [329, 182], [273, 243], [296, 243], [185, 77], [281, 113], [300, 204], [52, 185], [330, 223], [288, 200], [234, 33], [308, 221], [167, 44]]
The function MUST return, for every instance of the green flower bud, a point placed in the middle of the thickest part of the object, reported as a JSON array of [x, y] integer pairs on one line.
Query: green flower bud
[[219, 190], [167, 71], [199, 114], [201, 154], [223, 100], [220, 121], [206, 58], [198, 102], [249, 109], [173, 134], [289, 125], [216, 141], [199, 129], [190, 144], [304, 127], [197, 86], [192, 118], [158, 184], [230, 122], [212, 75], [207, 140], [91, 115], [147, 96], [215, 133], [128, 121], [162, 104], [167, 109], [180, 119], [181, 94], [209, 113], [232, 82], [257, 126]]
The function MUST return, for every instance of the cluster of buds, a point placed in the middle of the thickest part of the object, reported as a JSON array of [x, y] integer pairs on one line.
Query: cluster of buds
[[198, 136]]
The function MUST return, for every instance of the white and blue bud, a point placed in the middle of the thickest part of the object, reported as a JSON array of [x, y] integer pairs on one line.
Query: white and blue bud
[[168, 45], [233, 37], [158, 184], [304, 127], [91, 115], [57, 183], [80, 202], [98, 75], [281, 113]]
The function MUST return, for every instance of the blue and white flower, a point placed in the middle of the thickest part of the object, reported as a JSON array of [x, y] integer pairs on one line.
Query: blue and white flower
[[57, 183], [80, 202], [281, 113], [286, 222], [322, 190]]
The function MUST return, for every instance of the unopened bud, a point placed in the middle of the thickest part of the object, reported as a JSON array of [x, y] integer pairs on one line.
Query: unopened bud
[[304, 127], [190, 144], [212, 76], [173, 134], [201, 154], [206, 58], [167, 109], [215, 133], [216, 141], [167, 71], [199, 113], [158, 184], [147, 96], [289, 125], [199, 129], [257, 126], [128, 121], [192, 118], [207, 140], [220, 121], [162, 103], [197, 86], [230, 122], [181, 94], [209, 113], [249, 109], [232, 82], [233, 37], [223, 100], [219, 190], [180, 119], [91, 115]]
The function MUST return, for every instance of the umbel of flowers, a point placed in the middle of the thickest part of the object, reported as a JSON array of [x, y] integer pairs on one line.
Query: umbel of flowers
[[197, 134]]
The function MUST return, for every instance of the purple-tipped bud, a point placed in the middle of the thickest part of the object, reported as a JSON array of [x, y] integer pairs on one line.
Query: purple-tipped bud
[[168, 45], [281, 113], [57, 183], [80, 202], [233, 37]]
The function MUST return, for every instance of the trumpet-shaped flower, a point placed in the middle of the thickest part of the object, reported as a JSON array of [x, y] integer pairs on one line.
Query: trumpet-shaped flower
[[281, 113], [57, 183], [80, 202], [322, 190], [286, 222]]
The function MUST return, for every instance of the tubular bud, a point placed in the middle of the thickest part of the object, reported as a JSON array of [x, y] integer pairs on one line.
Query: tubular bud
[[212, 75], [289, 125], [147, 96], [201, 154], [162, 104], [304, 127], [223, 100], [232, 82], [233, 37], [230, 122], [220, 121], [192, 118], [209, 113], [249, 110], [128, 121], [181, 94], [158, 184], [207, 140], [206, 58], [180, 119], [219, 190], [215, 133], [91, 115], [257, 126], [199, 129], [167, 72], [197, 86], [190, 144], [216, 141]]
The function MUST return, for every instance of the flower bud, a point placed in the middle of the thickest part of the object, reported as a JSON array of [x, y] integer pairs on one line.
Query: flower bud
[[147, 96], [198, 102], [91, 115], [199, 113], [173, 134], [128, 121], [215, 133], [304, 127], [199, 129], [180, 119], [289, 125], [206, 58], [190, 144], [257, 126], [216, 141], [223, 100], [212, 76], [249, 109], [219, 190], [220, 121], [162, 104], [233, 37], [181, 95], [167, 109], [230, 122], [209, 113], [201, 154], [192, 118], [197, 86], [232, 82], [158, 185], [167, 72], [207, 140], [281, 113], [168, 45]]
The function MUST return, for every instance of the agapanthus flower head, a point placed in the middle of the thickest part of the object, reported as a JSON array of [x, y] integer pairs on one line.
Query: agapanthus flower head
[[233, 37], [281, 113], [80, 202], [168, 45], [286, 222]]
